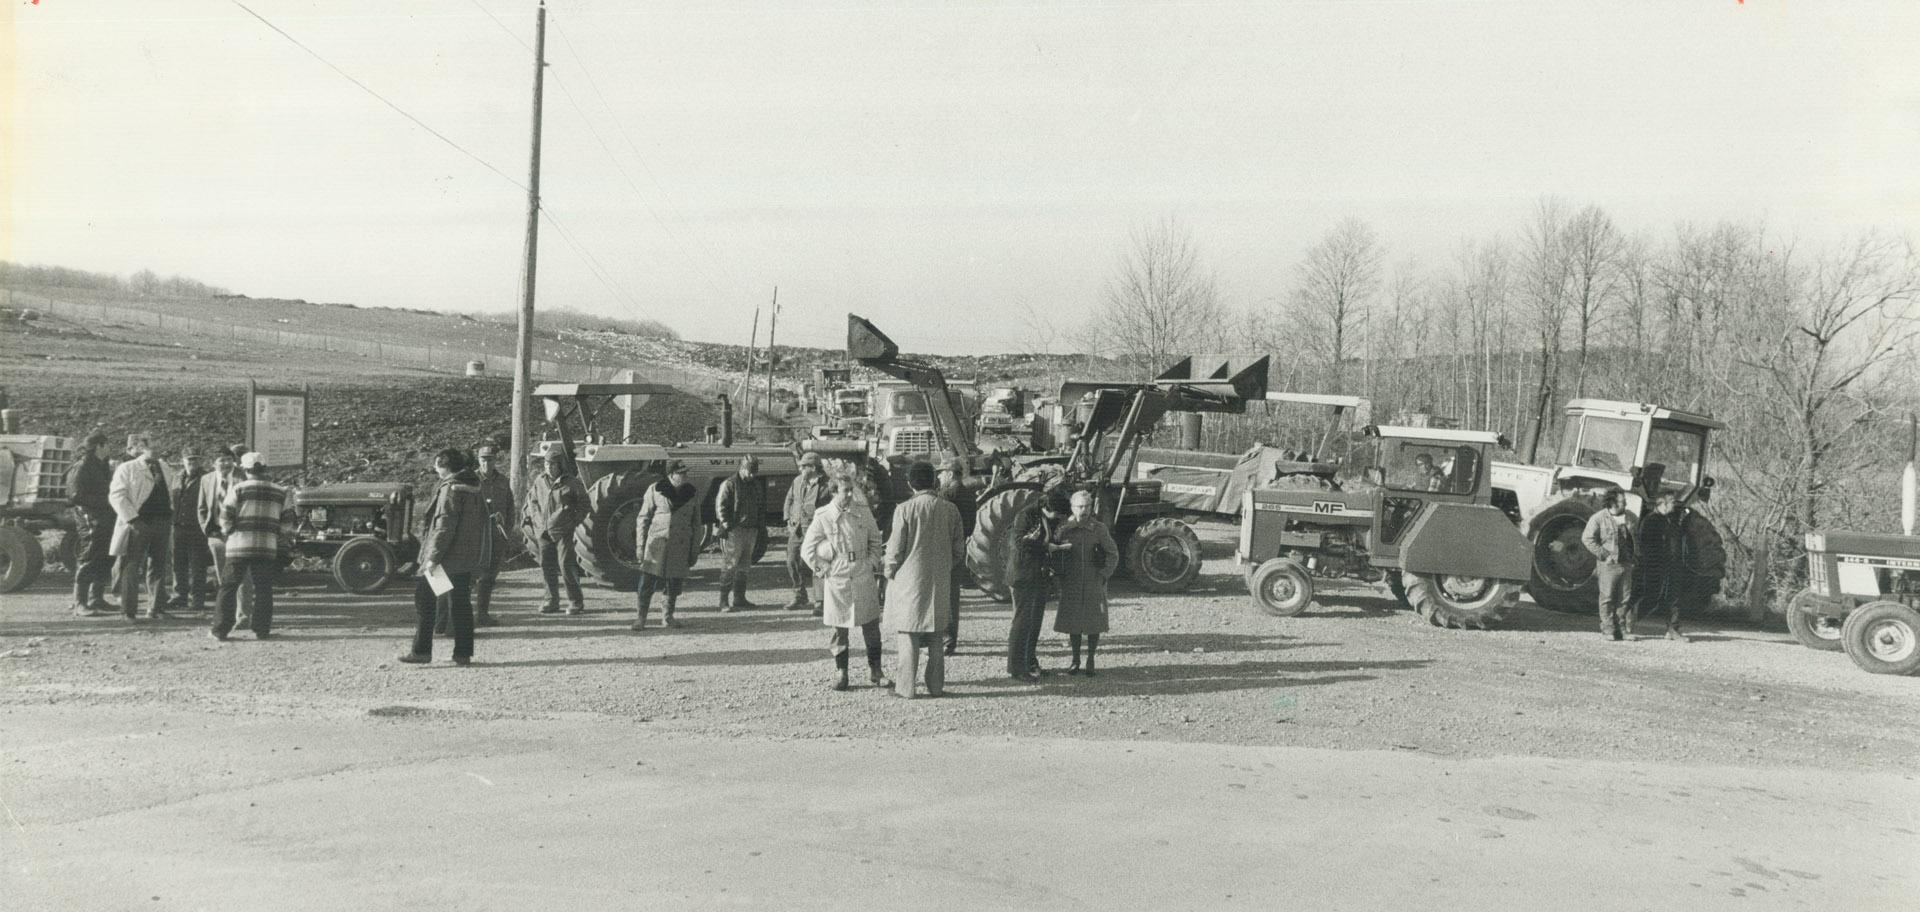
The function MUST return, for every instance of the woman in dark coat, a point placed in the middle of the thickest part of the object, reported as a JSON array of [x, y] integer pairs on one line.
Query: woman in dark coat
[[1080, 571], [668, 539]]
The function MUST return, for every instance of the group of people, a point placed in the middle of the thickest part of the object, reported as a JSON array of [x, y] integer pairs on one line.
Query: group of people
[[170, 527], [1671, 561]]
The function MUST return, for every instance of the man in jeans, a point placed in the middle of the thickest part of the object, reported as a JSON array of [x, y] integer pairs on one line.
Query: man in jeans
[[257, 518], [556, 502], [1610, 537], [141, 496]]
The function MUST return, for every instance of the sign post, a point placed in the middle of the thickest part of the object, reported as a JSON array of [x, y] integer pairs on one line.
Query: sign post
[[277, 425]]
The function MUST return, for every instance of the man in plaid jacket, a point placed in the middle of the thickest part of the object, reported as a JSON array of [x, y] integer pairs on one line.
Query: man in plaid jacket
[[257, 517]]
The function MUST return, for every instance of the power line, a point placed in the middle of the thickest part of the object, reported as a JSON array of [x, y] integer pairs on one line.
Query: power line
[[503, 26], [621, 128], [382, 98]]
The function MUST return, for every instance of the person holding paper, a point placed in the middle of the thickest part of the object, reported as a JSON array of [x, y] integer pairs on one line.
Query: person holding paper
[[458, 542]]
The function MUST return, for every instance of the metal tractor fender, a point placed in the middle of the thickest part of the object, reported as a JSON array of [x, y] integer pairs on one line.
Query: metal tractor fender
[[1457, 539]]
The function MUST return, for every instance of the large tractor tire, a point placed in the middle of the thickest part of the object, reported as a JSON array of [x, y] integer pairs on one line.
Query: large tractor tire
[[1459, 601], [1163, 555], [1814, 630], [605, 538], [20, 558], [1883, 638], [992, 528], [1280, 588], [1562, 566]]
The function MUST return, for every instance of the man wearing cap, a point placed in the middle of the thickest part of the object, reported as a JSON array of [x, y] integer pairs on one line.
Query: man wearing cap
[[497, 491], [141, 496], [955, 490], [740, 512], [809, 491], [556, 502], [87, 483], [257, 517], [190, 556]]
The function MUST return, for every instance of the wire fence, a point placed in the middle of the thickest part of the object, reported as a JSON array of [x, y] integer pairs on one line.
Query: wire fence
[[424, 357]]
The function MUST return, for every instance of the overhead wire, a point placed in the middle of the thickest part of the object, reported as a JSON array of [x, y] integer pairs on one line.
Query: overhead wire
[[382, 98]]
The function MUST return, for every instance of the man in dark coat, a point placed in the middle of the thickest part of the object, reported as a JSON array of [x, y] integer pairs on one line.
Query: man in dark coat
[[1656, 585], [87, 484], [1029, 557], [457, 542], [740, 512], [190, 556], [1703, 564], [955, 489], [497, 491]]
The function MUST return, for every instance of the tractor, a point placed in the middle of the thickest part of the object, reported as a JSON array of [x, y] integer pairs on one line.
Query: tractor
[[362, 533], [918, 419], [33, 502], [1607, 445], [1421, 518], [617, 473], [1863, 589], [1160, 552]]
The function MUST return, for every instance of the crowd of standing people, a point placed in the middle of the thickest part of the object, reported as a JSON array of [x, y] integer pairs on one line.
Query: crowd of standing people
[[189, 532]]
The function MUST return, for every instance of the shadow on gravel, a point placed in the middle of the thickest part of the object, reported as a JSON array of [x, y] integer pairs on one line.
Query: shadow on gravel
[[1208, 642], [1175, 680], [739, 657]]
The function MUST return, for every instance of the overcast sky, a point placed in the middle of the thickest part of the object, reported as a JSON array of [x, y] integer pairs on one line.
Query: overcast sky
[[933, 166]]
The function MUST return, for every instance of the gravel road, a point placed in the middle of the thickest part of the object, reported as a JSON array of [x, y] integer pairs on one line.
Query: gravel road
[[1198, 667]]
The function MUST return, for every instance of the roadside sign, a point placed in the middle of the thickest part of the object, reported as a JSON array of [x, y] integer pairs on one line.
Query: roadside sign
[[277, 425]]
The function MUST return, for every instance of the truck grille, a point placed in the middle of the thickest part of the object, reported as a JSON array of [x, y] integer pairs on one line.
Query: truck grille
[[912, 442]]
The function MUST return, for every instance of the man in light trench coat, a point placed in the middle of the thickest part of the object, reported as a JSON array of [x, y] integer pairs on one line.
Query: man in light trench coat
[[925, 546]]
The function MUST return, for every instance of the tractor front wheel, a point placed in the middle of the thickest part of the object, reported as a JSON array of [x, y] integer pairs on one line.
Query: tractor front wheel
[[1562, 566], [1459, 601], [1883, 638], [363, 566], [1280, 588], [1813, 629], [605, 539], [1163, 555]]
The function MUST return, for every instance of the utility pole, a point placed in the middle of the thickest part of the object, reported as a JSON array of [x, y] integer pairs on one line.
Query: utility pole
[[746, 386], [773, 324], [523, 353]]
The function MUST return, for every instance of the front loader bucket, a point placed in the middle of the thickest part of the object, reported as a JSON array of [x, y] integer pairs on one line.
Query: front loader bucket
[[865, 341]]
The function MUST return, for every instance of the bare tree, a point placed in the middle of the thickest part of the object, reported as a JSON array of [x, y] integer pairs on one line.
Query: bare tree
[[1544, 303], [1338, 279], [1592, 247], [1160, 299], [1043, 333]]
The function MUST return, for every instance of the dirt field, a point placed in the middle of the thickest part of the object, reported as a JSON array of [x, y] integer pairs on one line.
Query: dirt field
[[1704, 770]]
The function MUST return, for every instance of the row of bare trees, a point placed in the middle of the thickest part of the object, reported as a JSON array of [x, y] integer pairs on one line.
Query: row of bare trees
[[1811, 356]]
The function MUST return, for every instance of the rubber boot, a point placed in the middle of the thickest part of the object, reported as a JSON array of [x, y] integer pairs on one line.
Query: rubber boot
[[672, 599], [640, 615], [726, 595], [482, 601], [740, 593], [840, 671]]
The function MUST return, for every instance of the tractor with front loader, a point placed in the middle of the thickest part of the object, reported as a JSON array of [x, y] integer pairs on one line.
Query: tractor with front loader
[[1159, 551], [1421, 518], [1605, 445], [617, 472]]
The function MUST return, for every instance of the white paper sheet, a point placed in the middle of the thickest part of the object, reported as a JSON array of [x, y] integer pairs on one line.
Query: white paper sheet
[[438, 579]]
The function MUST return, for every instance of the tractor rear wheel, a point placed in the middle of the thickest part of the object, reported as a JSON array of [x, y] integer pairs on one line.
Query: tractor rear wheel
[[1562, 566], [1459, 601], [1883, 638], [363, 566], [1280, 588], [1812, 629], [1163, 555], [20, 558], [605, 539], [992, 535]]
